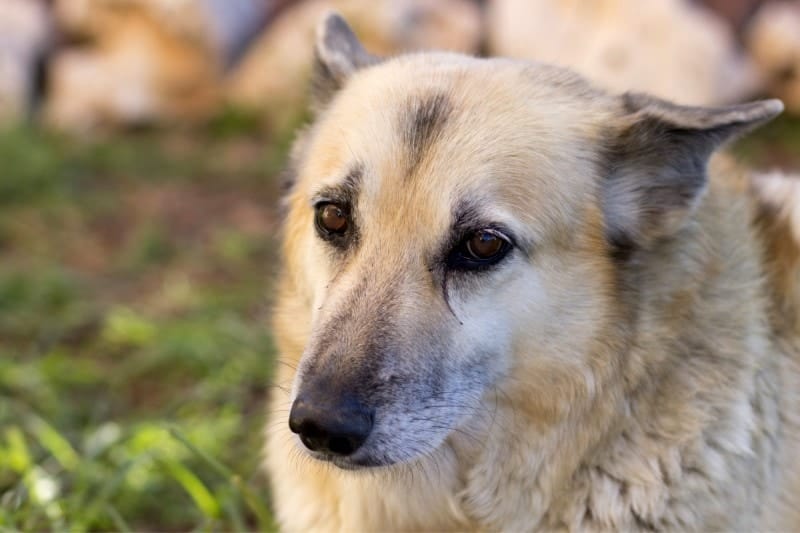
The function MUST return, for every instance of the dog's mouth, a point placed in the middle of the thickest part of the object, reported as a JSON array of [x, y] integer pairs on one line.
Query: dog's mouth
[[361, 460], [348, 463]]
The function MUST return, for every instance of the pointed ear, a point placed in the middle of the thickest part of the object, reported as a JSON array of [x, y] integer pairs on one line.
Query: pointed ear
[[337, 54], [657, 163]]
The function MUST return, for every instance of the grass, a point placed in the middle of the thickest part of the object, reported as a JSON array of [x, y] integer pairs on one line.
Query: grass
[[135, 355]]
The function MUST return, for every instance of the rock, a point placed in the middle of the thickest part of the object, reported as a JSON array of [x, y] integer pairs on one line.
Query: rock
[[773, 40], [145, 61], [735, 12], [669, 48], [272, 78], [24, 38]]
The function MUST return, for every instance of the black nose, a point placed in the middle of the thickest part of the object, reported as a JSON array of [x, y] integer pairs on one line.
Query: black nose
[[339, 428]]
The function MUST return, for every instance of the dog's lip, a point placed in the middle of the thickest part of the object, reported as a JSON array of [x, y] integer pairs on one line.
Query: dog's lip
[[357, 461], [346, 463], [362, 459]]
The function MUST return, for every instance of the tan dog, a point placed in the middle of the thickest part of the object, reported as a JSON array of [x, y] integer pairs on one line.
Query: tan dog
[[511, 301]]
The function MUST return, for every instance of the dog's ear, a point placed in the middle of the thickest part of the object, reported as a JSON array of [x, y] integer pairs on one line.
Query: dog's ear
[[337, 54], [657, 163]]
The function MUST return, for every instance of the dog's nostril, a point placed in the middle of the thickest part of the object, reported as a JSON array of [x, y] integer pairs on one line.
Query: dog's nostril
[[313, 438], [342, 445], [338, 429], [309, 430]]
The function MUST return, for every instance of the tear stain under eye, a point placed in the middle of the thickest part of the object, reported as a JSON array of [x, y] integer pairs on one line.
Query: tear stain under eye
[[446, 296]]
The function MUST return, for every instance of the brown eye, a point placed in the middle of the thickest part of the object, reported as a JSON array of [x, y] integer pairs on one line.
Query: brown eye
[[331, 218], [485, 245], [479, 251]]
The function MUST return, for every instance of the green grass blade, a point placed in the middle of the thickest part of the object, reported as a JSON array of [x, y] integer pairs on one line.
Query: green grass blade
[[202, 497], [119, 523], [53, 442], [253, 502]]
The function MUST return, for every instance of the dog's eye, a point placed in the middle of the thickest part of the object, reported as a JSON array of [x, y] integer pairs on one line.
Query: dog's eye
[[331, 218], [484, 245], [479, 250]]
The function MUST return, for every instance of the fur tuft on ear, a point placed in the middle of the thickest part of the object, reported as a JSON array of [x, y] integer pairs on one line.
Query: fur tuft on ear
[[657, 163], [337, 54]]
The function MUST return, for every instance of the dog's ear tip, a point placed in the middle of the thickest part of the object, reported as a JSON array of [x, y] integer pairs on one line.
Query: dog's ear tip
[[334, 35], [331, 23], [769, 108], [338, 54], [748, 116], [329, 17]]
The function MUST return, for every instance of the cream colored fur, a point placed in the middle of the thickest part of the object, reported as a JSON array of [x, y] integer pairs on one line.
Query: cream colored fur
[[659, 393]]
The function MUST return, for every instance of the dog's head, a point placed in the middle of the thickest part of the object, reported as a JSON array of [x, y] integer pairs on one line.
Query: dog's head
[[458, 224]]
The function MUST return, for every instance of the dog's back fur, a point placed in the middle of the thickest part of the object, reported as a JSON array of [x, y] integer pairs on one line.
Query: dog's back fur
[[632, 364]]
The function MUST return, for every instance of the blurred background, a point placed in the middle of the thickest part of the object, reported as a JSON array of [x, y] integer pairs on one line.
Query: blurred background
[[141, 144]]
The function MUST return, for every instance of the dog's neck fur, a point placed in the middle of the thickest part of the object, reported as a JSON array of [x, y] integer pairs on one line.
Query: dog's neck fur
[[645, 456]]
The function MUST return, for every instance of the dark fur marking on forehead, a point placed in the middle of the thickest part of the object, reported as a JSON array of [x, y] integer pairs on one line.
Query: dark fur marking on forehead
[[422, 121]]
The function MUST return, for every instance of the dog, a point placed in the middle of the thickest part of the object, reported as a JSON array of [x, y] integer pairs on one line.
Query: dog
[[512, 301]]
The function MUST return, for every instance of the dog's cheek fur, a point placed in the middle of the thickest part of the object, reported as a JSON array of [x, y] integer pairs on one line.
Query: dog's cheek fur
[[554, 343], [540, 319]]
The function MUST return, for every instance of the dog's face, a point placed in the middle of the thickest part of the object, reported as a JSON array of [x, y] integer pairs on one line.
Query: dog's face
[[456, 223]]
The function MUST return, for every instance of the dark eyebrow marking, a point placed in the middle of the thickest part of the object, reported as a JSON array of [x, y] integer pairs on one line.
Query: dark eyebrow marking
[[422, 120], [466, 216], [345, 193]]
